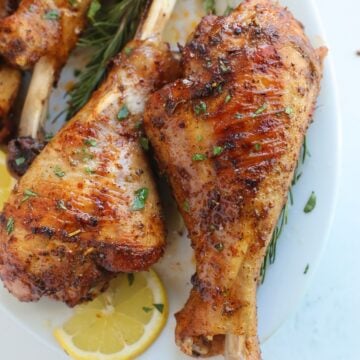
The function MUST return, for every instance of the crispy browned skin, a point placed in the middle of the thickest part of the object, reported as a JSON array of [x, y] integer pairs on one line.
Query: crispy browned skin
[[41, 27], [81, 228], [247, 95], [10, 80]]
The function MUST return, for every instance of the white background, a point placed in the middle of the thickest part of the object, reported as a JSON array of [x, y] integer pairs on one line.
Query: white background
[[326, 326]]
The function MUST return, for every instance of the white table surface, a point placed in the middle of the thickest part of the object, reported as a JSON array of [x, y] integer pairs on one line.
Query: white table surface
[[326, 326]]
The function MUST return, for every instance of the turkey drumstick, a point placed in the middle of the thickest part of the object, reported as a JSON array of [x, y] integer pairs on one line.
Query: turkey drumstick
[[88, 208], [228, 135]]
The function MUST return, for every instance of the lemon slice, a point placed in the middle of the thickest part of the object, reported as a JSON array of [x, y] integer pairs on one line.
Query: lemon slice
[[6, 181], [120, 323]]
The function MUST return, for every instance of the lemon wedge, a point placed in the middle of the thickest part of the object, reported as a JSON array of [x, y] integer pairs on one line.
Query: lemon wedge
[[119, 324], [6, 181]]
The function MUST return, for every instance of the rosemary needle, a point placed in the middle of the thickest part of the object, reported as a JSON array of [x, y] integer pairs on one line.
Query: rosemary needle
[[111, 27]]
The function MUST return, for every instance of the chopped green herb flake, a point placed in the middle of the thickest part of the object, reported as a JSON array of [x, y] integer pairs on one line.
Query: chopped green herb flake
[[131, 278], [144, 142], [186, 206], [306, 269], [219, 247], [52, 15], [123, 113], [217, 150], [59, 172], [141, 196], [209, 7], [48, 136], [198, 157], [60, 205], [227, 98], [239, 116], [159, 307], [257, 147], [311, 203], [77, 72], [19, 161], [128, 51], [200, 108], [260, 110], [10, 225], [95, 6], [147, 309], [90, 142], [72, 2], [28, 194], [88, 170], [199, 138], [288, 110]]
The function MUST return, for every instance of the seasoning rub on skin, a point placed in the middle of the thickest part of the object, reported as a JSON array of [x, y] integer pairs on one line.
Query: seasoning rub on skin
[[96, 211], [228, 135]]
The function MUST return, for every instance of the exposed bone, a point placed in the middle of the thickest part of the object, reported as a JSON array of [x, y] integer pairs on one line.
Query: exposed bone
[[36, 104]]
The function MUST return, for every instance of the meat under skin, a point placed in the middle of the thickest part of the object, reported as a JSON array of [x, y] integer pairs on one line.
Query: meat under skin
[[80, 229], [247, 95], [42, 28]]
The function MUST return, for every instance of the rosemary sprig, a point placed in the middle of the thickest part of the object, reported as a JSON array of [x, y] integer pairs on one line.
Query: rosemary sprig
[[283, 218], [111, 27]]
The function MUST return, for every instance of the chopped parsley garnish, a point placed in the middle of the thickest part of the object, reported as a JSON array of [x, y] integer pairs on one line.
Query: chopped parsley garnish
[[59, 172], [199, 157], [239, 115], [288, 110], [147, 309], [90, 142], [19, 161], [311, 203], [60, 205], [257, 146], [128, 51], [123, 113], [217, 150], [48, 136], [159, 307], [95, 6], [260, 110], [199, 138], [89, 170], [141, 196], [227, 98], [186, 206], [200, 108], [306, 269], [144, 142], [52, 15], [10, 225], [72, 2], [131, 278], [28, 194]]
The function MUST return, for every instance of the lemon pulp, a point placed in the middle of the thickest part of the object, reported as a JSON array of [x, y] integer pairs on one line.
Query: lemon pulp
[[120, 323]]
